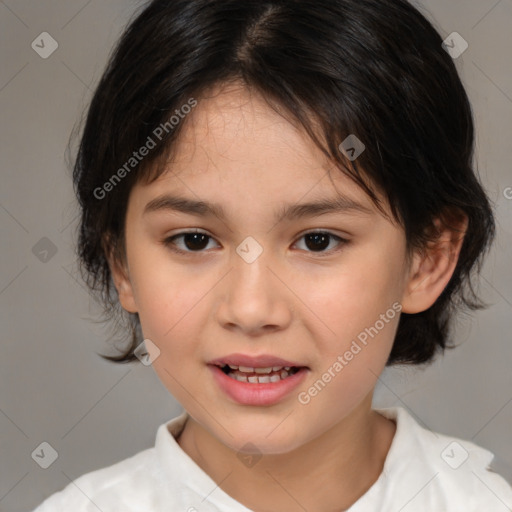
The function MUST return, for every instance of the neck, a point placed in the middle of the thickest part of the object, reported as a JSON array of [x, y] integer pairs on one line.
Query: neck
[[329, 473]]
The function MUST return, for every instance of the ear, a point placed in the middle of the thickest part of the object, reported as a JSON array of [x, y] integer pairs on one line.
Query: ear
[[121, 277], [432, 267]]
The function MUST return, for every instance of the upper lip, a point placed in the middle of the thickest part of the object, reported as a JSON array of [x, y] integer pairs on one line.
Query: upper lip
[[260, 361]]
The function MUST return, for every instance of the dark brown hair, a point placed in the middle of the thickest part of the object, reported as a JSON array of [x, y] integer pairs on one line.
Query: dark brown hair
[[374, 68]]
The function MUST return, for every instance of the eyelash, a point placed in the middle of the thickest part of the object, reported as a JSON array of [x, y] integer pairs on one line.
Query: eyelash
[[169, 242]]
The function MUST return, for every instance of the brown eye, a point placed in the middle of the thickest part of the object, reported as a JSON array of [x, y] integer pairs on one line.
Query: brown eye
[[319, 241], [197, 242], [192, 241]]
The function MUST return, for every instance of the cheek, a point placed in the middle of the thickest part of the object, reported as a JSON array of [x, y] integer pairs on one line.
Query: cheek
[[167, 301], [360, 314], [354, 296], [165, 293], [169, 312], [356, 312]]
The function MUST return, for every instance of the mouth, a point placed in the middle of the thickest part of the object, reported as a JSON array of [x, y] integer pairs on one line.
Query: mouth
[[261, 380], [262, 375]]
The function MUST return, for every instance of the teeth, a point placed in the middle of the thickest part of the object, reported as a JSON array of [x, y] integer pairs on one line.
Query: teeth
[[259, 379], [263, 370], [259, 375]]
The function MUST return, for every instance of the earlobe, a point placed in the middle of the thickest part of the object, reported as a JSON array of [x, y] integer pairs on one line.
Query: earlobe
[[432, 267], [121, 277], [125, 292]]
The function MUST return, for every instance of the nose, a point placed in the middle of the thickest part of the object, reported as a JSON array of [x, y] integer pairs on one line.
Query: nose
[[254, 297]]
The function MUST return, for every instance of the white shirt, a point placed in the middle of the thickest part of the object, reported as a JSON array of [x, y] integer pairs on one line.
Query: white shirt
[[423, 472]]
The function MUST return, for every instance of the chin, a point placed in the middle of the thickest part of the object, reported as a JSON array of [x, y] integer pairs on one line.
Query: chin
[[269, 436]]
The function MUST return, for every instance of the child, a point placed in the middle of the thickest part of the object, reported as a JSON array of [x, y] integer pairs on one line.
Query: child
[[318, 153]]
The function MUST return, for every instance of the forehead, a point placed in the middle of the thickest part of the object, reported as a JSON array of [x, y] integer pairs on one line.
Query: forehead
[[233, 122], [235, 146]]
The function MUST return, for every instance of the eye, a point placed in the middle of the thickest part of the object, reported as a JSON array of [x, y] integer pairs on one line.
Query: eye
[[194, 241], [318, 241], [197, 241]]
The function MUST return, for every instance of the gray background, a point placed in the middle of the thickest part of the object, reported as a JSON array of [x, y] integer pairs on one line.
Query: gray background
[[54, 387]]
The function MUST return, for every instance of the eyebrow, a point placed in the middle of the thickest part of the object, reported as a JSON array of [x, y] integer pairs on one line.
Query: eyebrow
[[340, 204]]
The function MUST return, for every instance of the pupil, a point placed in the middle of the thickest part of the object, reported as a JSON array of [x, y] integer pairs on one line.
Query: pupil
[[197, 241], [321, 240]]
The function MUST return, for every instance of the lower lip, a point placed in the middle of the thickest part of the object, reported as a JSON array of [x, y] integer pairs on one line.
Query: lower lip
[[257, 394]]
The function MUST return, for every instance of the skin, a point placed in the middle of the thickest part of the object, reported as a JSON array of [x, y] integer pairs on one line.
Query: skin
[[293, 302]]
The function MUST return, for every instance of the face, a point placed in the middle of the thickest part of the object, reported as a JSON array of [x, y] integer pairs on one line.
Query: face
[[242, 284]]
